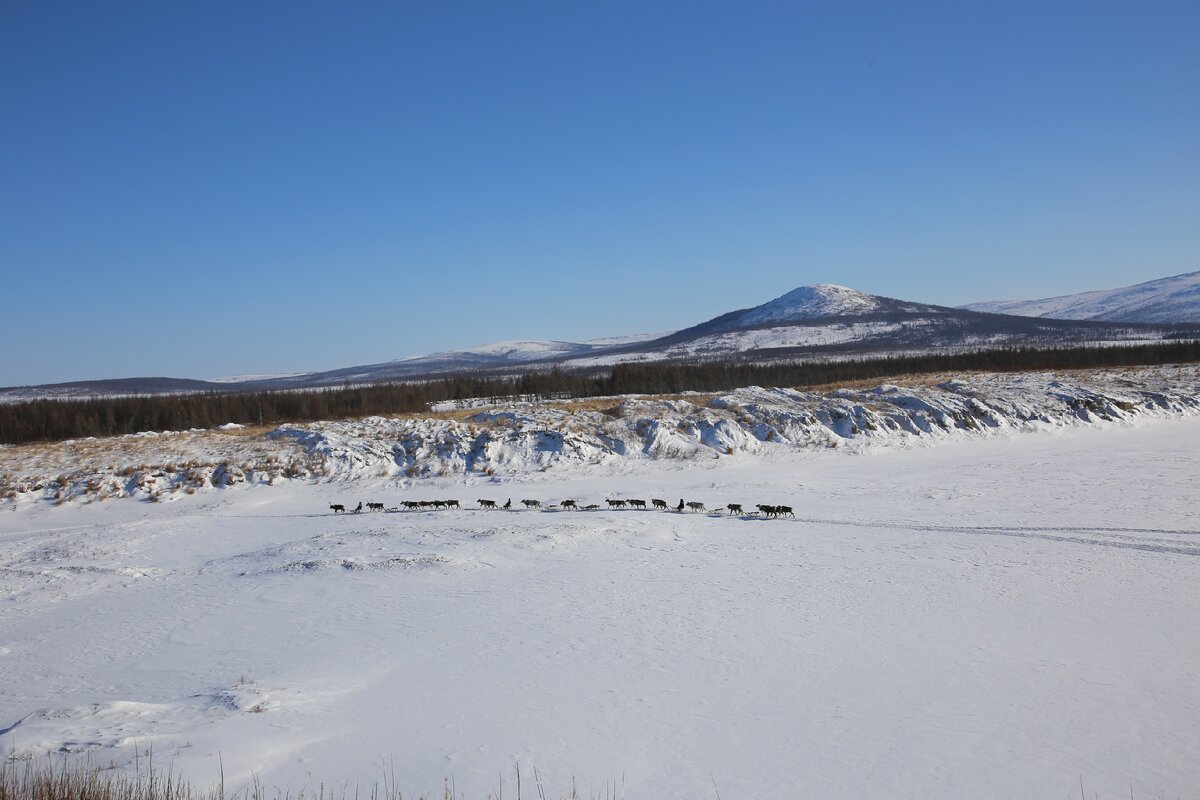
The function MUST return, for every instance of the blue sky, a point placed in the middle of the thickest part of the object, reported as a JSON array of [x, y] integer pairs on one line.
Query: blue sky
[[208, 189]]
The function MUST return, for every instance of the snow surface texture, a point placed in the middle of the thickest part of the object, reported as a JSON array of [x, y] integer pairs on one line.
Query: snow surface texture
[[521, 438], [986, 619], [1174, 299]]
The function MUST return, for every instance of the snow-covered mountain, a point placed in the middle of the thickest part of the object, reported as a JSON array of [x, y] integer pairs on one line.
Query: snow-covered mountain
[[810, 322], [1166, 300], [822, 301], [811, 302], [825, 320]]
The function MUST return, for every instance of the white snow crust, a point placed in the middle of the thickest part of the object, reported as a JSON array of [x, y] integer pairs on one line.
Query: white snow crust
[[993, 617]]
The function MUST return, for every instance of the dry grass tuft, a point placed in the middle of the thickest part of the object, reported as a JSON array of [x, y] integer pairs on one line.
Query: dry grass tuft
[[81, 779]]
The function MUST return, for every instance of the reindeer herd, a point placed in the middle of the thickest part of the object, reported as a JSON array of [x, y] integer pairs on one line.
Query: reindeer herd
[[733, 509]]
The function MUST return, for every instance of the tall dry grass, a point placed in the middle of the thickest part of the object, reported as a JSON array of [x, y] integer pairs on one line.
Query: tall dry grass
[[82, 779]]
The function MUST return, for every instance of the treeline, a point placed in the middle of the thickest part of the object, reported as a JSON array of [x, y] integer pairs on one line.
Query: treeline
[[55, 420]]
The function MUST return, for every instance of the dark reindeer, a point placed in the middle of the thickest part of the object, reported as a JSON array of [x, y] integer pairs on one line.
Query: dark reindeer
[[569, 504], [452, 504], [337, 508], [375, 506], [636, 503], [617, 503], [531, 504], [486, 503], [776, 511], [734, 508], [660, 504], [693, 506]]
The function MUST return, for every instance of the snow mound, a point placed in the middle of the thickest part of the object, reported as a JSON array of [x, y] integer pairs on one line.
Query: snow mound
[[122, 723], [359, 550]]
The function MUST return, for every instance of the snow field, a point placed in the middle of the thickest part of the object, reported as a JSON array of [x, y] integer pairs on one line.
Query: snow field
[[988, 618]]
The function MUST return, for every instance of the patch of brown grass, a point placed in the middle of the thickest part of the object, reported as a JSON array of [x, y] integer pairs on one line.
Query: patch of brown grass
[[77, 778]]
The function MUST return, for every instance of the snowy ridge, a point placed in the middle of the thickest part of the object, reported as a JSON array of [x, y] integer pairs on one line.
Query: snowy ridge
[[1166, 300], [517, 350], [526, 438], [264, 376]]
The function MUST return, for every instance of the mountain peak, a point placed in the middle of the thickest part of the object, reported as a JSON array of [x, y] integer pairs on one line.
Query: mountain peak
[[812, 302]]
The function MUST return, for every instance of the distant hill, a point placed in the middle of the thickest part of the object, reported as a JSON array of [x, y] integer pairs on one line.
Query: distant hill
[[1166, 300], [824, 321]]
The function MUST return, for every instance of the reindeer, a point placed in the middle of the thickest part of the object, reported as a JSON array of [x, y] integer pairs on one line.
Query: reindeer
[[375, 506], [695, 506], [734, 508], [777, 511], [486, 503], [659, 504], [411, 505], [438, 504], [569, 504], [452, 504], [531, 504], [337, 508], [616, 504], [636, 503]]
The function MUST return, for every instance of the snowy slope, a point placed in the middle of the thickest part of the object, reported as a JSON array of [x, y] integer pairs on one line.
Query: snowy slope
[[1174, 299]]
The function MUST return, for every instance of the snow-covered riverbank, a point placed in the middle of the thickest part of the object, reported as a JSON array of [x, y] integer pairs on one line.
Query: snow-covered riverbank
[[522, 438]]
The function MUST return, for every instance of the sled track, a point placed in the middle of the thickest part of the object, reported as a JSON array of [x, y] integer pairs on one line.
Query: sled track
[[1102, 537]]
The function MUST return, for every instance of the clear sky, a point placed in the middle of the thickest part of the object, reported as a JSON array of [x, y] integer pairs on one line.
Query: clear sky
[[207, 189]]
